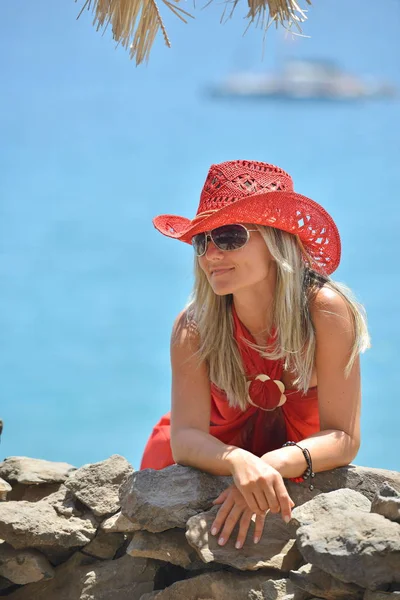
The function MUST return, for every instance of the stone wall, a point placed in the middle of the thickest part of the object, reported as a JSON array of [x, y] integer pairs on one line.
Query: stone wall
[[105, 532]]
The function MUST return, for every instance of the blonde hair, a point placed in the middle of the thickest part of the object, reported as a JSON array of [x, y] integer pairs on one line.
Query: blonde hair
[[296, 285]]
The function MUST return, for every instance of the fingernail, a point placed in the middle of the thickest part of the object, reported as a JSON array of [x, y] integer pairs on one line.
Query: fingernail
[[221, 541], [286, 519], [238, 545], [256, 540], [213, 531]]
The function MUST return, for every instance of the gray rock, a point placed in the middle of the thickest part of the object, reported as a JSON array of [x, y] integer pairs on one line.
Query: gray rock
[[355, 547], [122, 579], [5, 488], [165, 499], [6, 585], [276, 549], [298, 594], [313, 580], [282, 589], [381, 595], [66, 505], [34, 470], [119, 524], [160, 500], [40, 524], [387, 503], [323, 504], [365, 480], [97, 485], [33, 493], [169, 546], [23, 566], [57, 555], [217, 586], [105, 545]]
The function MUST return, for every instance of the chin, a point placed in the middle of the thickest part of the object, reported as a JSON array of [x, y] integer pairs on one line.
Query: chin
[[222, 290]]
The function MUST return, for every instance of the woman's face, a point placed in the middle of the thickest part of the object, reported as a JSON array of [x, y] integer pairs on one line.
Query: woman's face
[[231, 271]]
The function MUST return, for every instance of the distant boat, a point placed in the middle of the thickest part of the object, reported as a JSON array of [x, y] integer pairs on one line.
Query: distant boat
[[302, 80]]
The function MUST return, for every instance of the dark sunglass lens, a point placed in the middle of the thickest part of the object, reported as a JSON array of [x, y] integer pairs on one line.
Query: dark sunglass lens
[[199, 243], [229, 237]]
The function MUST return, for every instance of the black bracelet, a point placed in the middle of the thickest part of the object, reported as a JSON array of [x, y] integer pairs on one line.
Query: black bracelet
[[308, 473]]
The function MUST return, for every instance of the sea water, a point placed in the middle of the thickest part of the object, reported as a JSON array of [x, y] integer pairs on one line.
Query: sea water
[[93, 148]]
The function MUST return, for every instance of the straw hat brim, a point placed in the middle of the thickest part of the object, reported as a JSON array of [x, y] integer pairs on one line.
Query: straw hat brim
[[289, 211]]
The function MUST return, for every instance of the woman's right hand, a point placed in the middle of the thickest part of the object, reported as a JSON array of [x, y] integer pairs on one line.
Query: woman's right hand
[[261, 485]]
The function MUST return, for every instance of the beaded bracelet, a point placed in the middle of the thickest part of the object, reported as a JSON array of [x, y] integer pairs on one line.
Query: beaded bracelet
[[308, 473]]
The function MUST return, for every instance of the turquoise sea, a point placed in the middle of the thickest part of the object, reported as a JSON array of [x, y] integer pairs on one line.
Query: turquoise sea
[[93, 147]]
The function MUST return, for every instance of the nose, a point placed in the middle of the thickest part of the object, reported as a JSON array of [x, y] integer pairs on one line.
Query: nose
[[213, 252]]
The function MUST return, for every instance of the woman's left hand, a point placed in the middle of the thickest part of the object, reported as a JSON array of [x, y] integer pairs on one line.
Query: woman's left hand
[[234, 508]]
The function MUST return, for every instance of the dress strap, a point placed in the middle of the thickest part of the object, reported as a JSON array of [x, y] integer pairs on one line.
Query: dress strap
[[266, 390]]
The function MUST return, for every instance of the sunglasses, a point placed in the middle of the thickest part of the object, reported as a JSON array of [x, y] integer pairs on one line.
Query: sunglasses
[[226, 238]]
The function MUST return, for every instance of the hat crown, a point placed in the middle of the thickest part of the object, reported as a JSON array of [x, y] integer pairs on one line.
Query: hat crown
[[230, 181], [243, 191]]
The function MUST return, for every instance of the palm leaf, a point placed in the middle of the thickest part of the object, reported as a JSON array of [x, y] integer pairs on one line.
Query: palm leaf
[[135, 23]]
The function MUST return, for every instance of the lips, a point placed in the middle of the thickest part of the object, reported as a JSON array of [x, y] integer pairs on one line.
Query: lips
[[220, 271]]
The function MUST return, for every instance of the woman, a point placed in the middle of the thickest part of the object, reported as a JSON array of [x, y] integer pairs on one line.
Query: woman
[[265, 358]]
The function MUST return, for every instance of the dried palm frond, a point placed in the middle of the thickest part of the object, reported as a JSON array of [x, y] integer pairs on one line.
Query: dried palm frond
[[281, 12], [266, 12], [135, 23]]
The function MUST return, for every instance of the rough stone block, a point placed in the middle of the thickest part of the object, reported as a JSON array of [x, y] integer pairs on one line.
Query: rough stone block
[[169, 546], [105, 545], [276, 548], [355, 547], [322, 506], [122, 579], [34, 470], [119, 524], [218, 586], [387, 503], [161, 500], [23, 566], [313, 580], [38, 524], [97, 485]]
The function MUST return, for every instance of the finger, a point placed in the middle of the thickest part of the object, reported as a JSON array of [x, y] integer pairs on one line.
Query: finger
[[221, 516], [252, 502], [272, 500], [285, 501], [222, 497], [243, 528], [262, 501], [270, 495], [230, 523], [259, 527]]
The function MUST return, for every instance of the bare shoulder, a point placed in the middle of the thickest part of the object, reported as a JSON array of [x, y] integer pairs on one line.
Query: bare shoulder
[[331, 313], [185, 335], [328, 299], [191, 397]]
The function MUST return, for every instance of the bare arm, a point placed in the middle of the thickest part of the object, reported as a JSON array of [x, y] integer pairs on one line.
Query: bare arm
[[191, 442], [339, 399], [335, 445]]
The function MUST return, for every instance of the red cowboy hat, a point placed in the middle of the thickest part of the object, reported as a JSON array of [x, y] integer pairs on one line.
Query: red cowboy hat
[[243, 191]]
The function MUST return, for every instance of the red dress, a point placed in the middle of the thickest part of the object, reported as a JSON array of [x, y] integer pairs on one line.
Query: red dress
[[275, 416]]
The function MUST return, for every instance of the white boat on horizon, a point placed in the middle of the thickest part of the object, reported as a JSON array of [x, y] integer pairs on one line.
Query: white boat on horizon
[[301, 79]]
